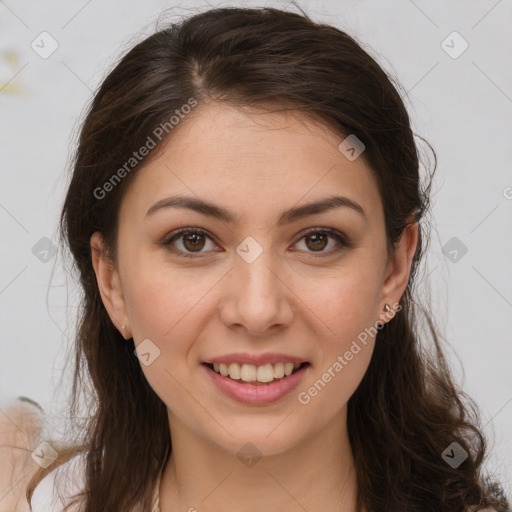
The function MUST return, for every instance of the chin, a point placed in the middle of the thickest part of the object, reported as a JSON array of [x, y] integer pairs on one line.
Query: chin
[[253, 438]]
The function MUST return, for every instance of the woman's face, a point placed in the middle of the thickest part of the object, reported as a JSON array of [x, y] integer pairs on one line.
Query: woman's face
[[260, 283]]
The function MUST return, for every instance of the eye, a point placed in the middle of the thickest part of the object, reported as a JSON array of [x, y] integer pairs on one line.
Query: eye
[[316, 240], [193, 240]]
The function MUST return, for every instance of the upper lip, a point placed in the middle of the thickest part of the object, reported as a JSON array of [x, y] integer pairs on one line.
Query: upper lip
[[255, 359]]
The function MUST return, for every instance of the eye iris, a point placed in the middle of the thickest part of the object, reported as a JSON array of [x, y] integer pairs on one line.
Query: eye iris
[[195, 237], [316, 238]]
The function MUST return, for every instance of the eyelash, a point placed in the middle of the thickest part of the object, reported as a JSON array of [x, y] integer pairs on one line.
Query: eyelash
[[342, 240]]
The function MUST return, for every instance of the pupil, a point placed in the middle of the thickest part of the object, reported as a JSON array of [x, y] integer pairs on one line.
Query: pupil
[[196, 237], [315, 238]]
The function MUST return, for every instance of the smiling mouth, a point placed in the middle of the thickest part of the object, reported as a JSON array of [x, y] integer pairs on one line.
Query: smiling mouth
[[248, 375]]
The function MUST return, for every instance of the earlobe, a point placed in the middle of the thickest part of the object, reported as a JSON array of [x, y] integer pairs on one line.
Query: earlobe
[[399, 269], [109, 283]]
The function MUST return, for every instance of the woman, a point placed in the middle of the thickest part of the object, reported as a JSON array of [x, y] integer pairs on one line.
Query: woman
[[245, 216]]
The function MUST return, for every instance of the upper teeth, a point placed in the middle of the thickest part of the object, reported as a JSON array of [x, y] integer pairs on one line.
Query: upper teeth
[[250, 372]]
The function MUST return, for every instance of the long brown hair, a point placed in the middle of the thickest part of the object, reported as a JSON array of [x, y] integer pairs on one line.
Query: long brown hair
[[407, 409]]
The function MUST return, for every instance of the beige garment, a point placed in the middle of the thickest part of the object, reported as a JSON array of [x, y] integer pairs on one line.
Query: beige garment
[[21, 430], [21, 434]]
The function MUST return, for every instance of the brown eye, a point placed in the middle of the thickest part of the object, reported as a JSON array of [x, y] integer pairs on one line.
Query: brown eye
[[193, 241], [318, 241], [185, 242]]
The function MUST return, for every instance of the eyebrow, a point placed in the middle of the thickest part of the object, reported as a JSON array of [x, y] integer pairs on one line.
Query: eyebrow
[[286, 217]]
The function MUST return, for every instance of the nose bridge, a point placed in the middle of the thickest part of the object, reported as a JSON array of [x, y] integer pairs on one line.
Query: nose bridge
[[253, 266], [259, 297]]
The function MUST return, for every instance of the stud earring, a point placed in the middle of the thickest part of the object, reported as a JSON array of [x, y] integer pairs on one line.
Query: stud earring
[[387, 309]]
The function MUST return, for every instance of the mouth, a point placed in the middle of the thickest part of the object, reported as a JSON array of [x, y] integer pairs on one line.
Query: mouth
[[256, 375], [256, 385]]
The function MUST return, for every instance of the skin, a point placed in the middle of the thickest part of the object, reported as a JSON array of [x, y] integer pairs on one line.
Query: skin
[[291, 299]]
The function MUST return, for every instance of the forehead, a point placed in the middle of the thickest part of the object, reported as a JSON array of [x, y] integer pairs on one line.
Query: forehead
[[250, 161]]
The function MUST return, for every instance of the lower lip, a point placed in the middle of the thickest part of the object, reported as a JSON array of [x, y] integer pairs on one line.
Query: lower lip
[[256, 395]]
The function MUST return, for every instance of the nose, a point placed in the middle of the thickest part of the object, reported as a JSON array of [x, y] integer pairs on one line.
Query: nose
[[258, 296]]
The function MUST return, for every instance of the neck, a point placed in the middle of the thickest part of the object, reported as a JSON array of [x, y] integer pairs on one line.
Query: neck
[[317, 474]]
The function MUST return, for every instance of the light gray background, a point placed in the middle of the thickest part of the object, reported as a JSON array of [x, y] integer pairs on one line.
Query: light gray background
[[463, 106]]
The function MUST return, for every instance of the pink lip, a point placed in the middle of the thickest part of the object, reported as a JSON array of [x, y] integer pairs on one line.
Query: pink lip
[[256, 359], [256, 395]]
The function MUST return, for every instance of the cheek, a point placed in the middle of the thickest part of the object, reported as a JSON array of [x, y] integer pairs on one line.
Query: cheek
[[344, 302], [163, 300], [343, 309], [331, 387], [162, 309], [167, 306], [345, 336]]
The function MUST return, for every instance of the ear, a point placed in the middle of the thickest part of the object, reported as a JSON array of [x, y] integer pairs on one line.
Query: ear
[[399, 268], [109, 284]]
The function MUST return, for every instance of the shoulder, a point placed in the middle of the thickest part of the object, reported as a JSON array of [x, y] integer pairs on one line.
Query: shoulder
[[21, 427], [60, 486]]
